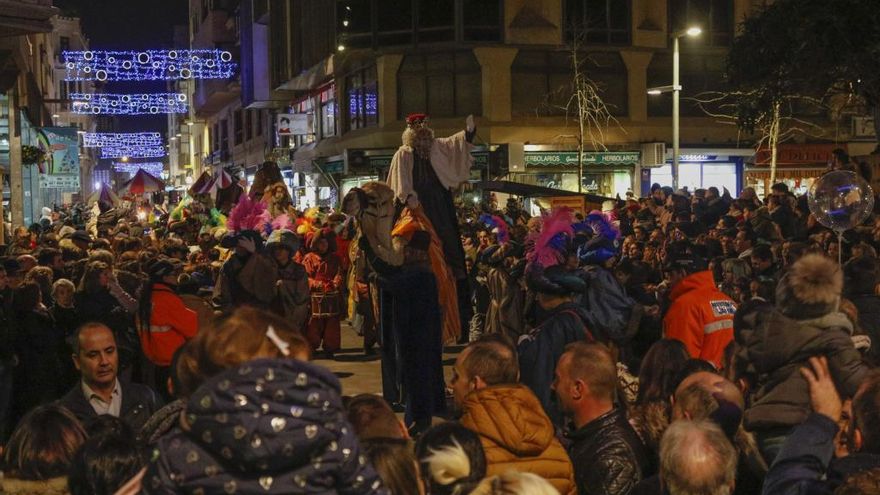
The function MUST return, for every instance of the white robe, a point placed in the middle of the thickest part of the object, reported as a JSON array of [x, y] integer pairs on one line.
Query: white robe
[[450, 157]]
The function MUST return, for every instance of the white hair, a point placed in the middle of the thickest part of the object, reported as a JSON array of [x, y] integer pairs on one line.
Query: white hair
[[515, 483], [696, 458]]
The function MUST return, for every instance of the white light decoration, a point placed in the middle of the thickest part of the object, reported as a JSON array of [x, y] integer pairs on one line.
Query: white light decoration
[[128, 104], [102, 139], [132, 151], [148, 65], [153, 168]]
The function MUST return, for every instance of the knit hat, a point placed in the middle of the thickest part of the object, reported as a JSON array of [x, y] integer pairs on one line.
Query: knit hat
[[810, 288]]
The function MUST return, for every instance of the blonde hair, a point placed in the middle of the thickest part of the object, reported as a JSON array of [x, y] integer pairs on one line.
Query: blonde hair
[[515, 483]]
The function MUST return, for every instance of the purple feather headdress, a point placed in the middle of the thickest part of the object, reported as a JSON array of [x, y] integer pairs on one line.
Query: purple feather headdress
[[247, 214], [550, 242], [498, 225]]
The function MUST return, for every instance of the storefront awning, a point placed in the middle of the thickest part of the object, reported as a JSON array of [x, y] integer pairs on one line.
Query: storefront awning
[[531, 191]]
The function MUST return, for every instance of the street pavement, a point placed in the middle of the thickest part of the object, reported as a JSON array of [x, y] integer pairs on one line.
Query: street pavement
[[361, 374]]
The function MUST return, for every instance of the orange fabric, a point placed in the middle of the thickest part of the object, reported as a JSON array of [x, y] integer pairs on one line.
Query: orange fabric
[[168, 311], [701, 317], [411, 221], [516, 434]]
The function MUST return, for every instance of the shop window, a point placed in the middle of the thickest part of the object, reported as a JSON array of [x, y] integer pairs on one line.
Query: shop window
[[606, 22], [363, 99], [237, 127], [304, 105], [543, 82], [327, 101], [714, 17], [64, 43], [441, 84]]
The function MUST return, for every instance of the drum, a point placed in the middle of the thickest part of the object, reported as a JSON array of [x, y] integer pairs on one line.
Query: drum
[[325, 304]]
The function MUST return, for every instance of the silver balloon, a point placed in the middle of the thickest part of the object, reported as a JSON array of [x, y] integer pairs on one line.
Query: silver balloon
[[841, 200]]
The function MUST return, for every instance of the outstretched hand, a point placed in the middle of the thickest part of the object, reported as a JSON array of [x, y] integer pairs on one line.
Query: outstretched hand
[[469, 124], [823, 393]]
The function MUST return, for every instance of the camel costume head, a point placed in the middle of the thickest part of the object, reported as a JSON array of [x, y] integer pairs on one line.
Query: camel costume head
[[372, 205]]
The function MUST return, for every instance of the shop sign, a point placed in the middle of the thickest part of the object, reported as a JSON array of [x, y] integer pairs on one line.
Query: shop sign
[[294, 124], [58, 181], [797, 154], [335, 167], [576, 203], [481, 159], [570, 158]]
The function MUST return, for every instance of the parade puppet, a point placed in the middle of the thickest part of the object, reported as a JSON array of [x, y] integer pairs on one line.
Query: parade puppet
[[277, 199], [423, 173]]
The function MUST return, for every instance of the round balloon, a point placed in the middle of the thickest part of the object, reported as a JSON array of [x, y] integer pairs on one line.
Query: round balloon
[[841, 200]]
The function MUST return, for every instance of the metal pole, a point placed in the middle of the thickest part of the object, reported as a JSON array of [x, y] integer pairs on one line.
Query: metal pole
[[675, 110]]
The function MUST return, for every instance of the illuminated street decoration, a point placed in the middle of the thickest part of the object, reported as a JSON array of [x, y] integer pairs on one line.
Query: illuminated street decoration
[[152, 168], [128, 104], [132, 151], [148, 65], [116, 139]]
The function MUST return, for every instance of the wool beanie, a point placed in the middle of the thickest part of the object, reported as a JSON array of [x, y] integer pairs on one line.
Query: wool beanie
[[811, 288]]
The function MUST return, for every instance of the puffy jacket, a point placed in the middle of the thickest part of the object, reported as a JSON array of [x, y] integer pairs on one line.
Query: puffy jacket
[[171, 324], [608, 455], [701, 317], [516, 434], [270, 426], [776, 347]]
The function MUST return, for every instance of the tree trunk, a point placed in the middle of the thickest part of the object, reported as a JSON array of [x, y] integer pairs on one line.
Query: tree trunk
[[774, 142]]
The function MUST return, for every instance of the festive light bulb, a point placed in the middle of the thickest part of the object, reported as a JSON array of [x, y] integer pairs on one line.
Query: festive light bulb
[[133, 151], [153, 168], [148, 65], [128, 104]]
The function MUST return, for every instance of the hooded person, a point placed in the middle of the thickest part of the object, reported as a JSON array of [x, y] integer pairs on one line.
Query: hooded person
[[268, 426], [565, 322], [292, 300], [774, 342], [324, 270]]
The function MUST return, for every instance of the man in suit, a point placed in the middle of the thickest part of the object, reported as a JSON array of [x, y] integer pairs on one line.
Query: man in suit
[[99, 391]]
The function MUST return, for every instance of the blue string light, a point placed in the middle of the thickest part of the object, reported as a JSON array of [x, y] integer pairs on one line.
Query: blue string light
[[128, 104], [120, 139], [153, 168], [133, 151], [148, 65]]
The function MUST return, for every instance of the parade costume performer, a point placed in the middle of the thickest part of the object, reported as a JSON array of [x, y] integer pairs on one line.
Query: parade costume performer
[[423, 172], [325, 279], [416, 314], [292, 296]]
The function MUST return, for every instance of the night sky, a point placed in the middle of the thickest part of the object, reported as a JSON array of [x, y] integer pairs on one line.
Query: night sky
[[130, 25]]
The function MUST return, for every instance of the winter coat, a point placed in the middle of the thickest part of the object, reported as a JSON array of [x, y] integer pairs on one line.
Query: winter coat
[[776, 347], [701, 317], [171, 325], [39, 345], [139, 402], [162, 422], [613, 315], [540, 350], [15, 486], [517, 435], [292, 299], [608, 456], [268, 426], [806, 466]]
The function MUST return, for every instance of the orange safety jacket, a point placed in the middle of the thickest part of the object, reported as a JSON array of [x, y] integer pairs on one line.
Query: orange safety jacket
[[701, 317], [171, 324]]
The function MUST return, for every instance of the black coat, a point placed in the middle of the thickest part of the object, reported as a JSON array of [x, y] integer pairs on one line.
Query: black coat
[[38, 344], [139, 402], [608, 456], [540, 350], [268, 426]]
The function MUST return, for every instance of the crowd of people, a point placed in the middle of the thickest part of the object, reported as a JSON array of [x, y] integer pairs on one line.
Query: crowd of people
[[687, 342]]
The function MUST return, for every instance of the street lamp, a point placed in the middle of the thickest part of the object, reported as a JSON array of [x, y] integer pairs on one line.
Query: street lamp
[[675, 88]]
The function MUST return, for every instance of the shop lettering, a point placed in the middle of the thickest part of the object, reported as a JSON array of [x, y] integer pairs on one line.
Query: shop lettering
[[571, 158]]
